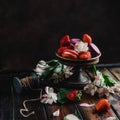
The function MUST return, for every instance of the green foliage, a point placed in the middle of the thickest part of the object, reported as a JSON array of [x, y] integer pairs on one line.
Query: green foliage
[[109, 81], [94, 69], [62, 95], [65, 118], [79, 95]]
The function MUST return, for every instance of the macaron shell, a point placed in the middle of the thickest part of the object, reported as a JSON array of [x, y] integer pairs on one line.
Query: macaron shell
[[94, 49], [75, 40]]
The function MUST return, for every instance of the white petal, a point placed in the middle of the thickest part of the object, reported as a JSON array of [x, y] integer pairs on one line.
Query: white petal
[[56, 113], [49, 101], [43, 100], [111, 118], [45, 95], [49, 90], [71, 117], [54, 97], [39, 70], [81, 46], [92, 92], [86, 105], [46, 89]]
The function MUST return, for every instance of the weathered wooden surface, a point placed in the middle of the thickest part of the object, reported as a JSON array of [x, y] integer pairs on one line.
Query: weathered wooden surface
[[11, 102]]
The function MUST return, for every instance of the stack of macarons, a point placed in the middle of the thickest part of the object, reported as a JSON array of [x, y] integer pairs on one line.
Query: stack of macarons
[[76, 48]]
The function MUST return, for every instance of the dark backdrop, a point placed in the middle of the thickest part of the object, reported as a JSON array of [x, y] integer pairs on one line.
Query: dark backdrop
[[30, 29]]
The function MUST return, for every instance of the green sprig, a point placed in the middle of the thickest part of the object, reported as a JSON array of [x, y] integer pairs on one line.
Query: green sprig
[[95, 69], [109, 81]]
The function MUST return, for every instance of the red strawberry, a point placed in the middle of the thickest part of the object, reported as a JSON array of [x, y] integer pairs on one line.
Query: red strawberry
[[65, 41], [74, 95], [87, 38], [102, 105], [85, 55], [71, 96], [61, 49]]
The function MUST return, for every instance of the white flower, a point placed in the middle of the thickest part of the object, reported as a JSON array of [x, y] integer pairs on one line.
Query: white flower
[[41, 67], [58, 69], [81, 47], [50, 96], [99, 80], [68, 71], [90, 89]]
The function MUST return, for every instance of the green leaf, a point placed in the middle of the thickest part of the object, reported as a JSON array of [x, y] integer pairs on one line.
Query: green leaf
[[95, 69], [65, 118], [48, 73], [61, 95], [50, 70], [109, 81], [76, 114], [78, 96]]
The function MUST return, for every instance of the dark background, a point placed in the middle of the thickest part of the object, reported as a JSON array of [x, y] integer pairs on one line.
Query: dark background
[[30, 29]]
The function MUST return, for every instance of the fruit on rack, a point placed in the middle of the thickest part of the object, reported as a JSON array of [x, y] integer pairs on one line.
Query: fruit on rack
[[69, 53], [76, 48], [65, 41], [102, 105], [85, 55], [94, 48], [61, 49], [87, 38], [75, 40]]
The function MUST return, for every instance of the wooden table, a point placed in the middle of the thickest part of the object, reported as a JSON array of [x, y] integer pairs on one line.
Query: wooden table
[[11, 102]]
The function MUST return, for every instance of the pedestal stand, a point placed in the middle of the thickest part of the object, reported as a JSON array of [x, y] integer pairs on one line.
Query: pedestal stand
[[78, 79]]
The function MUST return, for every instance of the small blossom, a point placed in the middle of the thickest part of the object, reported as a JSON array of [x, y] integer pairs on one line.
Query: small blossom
[[41, 67], [49, 97], [68, 71], [99, 80], [90, 89], [81, 47]]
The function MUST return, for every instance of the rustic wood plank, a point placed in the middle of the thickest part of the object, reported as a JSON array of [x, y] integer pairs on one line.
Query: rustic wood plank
[[115, 103], [91, 112], [11, 103], [36, 106], [107, 72], [114, 99], [68, 108], [5, 107], [115, 107], [5, 98], [116, 72]]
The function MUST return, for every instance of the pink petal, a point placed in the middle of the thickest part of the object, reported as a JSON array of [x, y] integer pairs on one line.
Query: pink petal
[[49, 101], [43, 100], [56, 113], [86, 105], [45, 95]]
